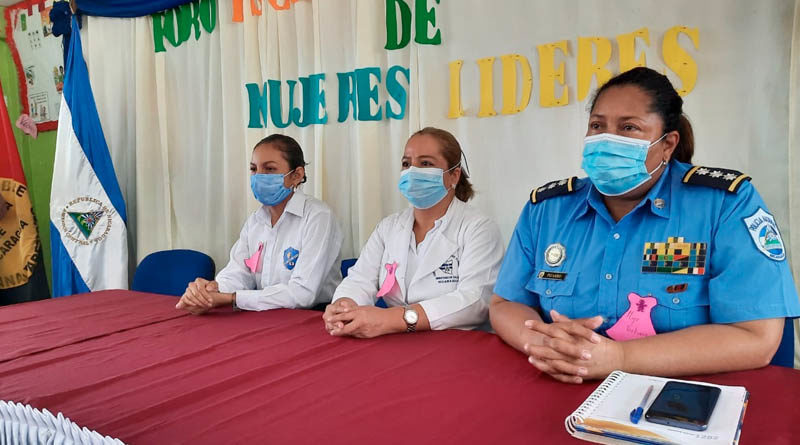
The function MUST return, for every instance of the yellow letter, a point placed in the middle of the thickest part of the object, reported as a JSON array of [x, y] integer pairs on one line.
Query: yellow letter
[[678, 60], [455, 90], [627, 49], [510, 62], [548, 74], [587, 68], [487, 88]]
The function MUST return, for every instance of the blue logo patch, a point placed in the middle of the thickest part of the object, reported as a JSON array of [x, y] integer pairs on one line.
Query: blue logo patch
[[764, 231], [290, 257]]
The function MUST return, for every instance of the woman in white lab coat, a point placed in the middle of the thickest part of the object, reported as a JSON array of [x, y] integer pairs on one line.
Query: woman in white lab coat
[[433, 264], [287, 255]]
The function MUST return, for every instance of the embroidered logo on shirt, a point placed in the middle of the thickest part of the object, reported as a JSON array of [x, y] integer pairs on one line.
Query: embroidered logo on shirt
[[765, 234], [675, 257], [290, 257], [448, 271]]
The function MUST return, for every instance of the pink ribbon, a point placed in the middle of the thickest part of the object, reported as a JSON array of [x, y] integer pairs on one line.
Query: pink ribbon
[[637, 321], [252, 262], [390, 280]]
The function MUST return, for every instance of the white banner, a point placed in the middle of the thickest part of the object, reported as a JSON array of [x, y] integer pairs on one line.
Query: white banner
[[177, 108]]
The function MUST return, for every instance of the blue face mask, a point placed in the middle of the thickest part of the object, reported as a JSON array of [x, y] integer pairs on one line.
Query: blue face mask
[[269, 189], [615, 164], [423, 187]]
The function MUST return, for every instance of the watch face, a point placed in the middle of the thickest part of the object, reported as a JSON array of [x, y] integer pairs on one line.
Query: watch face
[[410, 316]]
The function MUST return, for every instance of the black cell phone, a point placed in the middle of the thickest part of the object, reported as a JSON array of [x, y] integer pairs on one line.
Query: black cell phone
[[684, 405]]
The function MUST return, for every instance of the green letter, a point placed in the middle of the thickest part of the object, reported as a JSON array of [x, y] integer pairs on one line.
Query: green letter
[[425, 16], [391, 24]]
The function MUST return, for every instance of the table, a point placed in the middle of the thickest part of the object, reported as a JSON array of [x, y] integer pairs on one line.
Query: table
[[129, 365]]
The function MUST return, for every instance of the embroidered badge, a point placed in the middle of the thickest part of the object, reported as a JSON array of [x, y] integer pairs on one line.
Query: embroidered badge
[[86, 220], [677, 288], [765, 234], [636, 322], [550, 275], [675, 256], [290, 257], [448, 271], [252, 262]]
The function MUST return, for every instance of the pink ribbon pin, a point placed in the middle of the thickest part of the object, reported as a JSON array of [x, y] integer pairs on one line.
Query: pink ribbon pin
[[390, 280], [252, 262], [636, 322]]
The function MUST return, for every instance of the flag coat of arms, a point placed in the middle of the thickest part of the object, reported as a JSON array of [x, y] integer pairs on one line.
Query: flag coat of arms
[[87, 211], [22, 275]]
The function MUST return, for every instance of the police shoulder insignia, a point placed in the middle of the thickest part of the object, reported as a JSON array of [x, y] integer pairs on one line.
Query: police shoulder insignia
[[719, 178], [555, 188]]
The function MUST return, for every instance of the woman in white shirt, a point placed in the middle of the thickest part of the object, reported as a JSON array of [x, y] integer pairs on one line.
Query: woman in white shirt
[[287, 255], [433, 264]]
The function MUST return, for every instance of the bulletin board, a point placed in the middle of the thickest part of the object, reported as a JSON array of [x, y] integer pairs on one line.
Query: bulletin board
[[39, 60]]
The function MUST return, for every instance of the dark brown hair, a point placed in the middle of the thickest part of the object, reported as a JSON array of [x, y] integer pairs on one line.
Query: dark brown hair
[[666, 102], [451, 151], [289, 148]]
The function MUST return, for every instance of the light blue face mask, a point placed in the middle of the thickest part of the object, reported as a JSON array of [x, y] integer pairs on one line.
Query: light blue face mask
[[423, 187], [615, 164], [268, 188]]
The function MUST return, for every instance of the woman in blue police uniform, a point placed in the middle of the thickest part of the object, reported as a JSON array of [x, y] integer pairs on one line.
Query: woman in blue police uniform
[[681, 268]]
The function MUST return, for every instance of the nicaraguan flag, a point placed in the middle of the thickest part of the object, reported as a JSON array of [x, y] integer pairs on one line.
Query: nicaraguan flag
[[87, 212]]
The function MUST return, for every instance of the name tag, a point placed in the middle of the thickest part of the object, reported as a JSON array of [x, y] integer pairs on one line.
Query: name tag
[[549, 275]]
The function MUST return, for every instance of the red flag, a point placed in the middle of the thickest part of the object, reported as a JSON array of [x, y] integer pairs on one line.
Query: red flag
[[21, 272]]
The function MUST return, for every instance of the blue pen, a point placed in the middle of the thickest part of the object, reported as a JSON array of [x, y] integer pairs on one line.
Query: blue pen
[[636, 414]]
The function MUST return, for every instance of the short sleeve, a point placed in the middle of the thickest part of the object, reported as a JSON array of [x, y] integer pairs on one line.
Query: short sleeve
[[750, 275], [518, 264]]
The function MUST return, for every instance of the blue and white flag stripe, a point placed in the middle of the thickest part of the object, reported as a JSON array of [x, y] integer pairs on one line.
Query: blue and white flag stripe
[[87, 211]]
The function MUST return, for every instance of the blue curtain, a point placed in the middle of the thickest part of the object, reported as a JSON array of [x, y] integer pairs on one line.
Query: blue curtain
[[126, 8]]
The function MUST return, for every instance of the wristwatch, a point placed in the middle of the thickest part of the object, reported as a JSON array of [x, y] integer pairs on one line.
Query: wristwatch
[[411, 317], [233, 303]]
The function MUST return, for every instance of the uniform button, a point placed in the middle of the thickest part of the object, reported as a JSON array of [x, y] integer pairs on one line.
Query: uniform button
[[609, 276], [548, 292], [676, 300], [616, 236]]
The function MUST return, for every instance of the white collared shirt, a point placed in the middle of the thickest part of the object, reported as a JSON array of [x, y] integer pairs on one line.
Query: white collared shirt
[[416, 252], [451, 275], [299, 260]]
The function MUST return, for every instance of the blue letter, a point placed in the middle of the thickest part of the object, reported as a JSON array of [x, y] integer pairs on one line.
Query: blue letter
[[347, 94], [396, 92], [275, 107], [258, 105], [367, 94]]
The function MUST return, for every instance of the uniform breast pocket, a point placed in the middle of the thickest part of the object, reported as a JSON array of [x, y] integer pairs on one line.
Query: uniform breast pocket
[[556, 292], [682, 300]]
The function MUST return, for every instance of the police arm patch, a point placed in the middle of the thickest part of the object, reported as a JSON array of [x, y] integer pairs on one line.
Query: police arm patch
[[764, 231]]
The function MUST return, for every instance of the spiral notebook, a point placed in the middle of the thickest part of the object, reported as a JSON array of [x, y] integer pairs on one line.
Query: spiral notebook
[[605, 416]]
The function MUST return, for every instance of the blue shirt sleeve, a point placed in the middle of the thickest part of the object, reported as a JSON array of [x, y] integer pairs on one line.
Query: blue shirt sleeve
[[518, 264], [746, 283]]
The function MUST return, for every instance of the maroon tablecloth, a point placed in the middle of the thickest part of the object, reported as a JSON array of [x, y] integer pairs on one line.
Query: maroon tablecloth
[[130, 366]]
